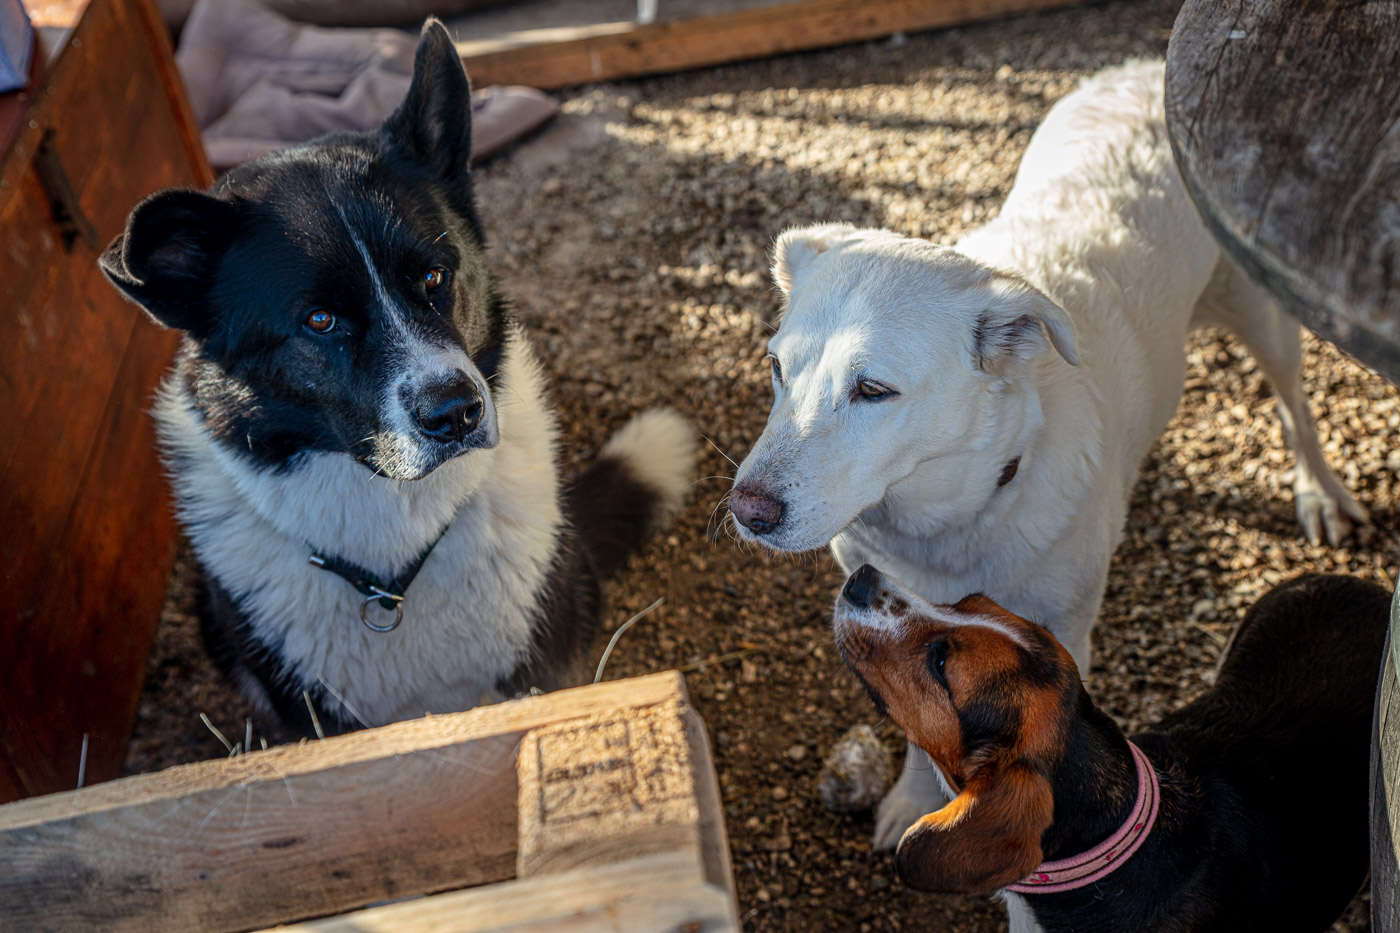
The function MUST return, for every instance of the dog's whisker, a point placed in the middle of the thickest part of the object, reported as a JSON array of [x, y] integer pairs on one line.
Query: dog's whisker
[[705, 478], [720, 452]]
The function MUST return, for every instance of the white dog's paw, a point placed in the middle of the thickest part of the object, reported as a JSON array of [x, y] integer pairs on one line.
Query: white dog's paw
[[1324, 506], [916, 793]]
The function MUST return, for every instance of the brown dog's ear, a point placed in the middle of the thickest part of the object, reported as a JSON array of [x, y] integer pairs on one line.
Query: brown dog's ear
[[985, 838]]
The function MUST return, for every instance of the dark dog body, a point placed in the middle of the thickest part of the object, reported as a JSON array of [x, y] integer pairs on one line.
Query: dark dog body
[[352, 386], [1263, 821]]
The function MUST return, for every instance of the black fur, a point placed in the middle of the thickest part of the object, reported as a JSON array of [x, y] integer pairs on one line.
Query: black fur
[[609, 503], [1264, 816]]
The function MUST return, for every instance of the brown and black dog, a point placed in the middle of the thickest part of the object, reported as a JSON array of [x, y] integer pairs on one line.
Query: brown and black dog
[[1262, 781]]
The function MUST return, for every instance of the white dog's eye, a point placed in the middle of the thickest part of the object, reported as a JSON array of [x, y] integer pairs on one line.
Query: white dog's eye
[[873, 390], [777, 368]]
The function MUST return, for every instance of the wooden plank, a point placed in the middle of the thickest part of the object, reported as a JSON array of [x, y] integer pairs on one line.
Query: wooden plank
[[1385, 788], [655, 893], [1285, 119], [92, 531], [606, 51], [295, 831], [714, 839]]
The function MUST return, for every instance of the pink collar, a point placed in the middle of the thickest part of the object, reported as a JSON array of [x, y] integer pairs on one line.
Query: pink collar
[[1087, 867]]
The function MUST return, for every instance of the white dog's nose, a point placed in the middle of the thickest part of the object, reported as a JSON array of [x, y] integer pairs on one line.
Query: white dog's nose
[[755, 511]]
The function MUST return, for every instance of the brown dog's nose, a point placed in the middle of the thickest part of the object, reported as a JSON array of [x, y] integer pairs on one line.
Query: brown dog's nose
[[755, 511], [860, 586]]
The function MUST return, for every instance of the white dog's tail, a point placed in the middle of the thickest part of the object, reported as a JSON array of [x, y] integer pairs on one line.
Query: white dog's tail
[[634, 487]]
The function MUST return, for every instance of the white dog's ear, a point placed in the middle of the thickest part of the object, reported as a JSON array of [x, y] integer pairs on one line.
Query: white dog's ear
[[1016, 323], [800, 245]]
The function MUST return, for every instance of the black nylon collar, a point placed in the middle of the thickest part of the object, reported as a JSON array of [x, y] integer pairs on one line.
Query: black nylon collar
[[390, 593]]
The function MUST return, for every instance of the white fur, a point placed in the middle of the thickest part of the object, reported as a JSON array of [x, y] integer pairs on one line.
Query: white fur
[[659, 447], [467, 615], [1097, 224]]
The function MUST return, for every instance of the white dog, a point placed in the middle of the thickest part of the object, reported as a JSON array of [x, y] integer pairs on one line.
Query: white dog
[[921, 424]]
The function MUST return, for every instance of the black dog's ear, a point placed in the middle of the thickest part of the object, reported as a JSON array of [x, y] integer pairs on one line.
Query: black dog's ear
[[165, 259], [434, 122]]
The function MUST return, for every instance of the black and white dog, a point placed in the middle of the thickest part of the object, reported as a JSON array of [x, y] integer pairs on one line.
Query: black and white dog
[[360, 435]]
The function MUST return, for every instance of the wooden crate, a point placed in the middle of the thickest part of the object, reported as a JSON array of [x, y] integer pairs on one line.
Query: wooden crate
[[89, 530], [587, 809]]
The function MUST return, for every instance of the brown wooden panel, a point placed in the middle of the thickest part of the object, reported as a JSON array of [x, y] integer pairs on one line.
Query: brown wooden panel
[[618, 50], [1285, 119], [91, 528]]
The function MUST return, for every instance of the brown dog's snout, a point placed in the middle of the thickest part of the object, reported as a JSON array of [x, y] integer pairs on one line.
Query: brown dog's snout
[[861, 586]]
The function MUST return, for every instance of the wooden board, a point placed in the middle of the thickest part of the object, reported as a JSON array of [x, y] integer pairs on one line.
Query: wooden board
[[658, 893], [407, 809], [90, 529], [601, 51], [1285, 119], [1385, 787]]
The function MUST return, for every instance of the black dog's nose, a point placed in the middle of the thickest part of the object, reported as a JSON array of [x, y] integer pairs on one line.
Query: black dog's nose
[[755, 511], [448, 411], [860, 586]]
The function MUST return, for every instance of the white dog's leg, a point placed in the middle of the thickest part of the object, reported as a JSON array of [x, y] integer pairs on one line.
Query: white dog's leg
[[920, 789], [1323, 504]]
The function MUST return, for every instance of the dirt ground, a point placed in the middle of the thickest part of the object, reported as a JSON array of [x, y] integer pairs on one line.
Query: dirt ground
[[633, 237]]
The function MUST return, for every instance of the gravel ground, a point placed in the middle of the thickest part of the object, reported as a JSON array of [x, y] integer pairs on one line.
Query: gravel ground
[[633, 237]]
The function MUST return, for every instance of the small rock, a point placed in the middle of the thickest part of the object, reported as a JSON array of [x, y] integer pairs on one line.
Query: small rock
[[748, 671], [856, 773]]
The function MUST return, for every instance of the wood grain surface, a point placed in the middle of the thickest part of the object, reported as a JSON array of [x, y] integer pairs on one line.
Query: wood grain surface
[[657, 893], [89, 526], [605, 51], [1285, 119], [304, 830]]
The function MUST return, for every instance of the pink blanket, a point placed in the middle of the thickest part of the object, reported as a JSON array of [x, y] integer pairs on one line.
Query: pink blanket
[[258, 81]]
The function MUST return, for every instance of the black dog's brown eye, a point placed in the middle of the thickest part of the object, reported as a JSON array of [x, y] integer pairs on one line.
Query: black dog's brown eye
[[434, 278], [320, 321]]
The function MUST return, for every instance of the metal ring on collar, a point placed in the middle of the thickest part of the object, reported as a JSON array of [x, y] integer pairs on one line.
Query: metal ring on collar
[[375, 597]]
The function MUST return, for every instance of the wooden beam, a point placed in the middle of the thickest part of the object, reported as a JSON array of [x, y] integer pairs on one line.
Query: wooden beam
[[296, 831], [659, 892], [606, 51]]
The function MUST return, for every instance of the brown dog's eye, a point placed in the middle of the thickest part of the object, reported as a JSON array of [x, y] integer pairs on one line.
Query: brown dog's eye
[[434, 277], [320, 321], [938, 662]]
